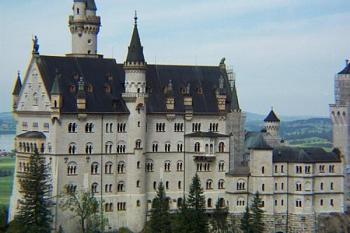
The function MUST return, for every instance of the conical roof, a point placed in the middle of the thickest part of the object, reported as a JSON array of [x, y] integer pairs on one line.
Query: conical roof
[[272, 117], [234, 99], [55, 89], [18, 85], [135, 52], [91, 5]]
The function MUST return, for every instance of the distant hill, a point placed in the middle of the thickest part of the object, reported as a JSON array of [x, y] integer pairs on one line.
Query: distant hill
[[7, 123], [308, 132]]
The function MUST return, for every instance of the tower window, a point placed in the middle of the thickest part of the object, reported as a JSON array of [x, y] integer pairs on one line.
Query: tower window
[[89, 41], [89, 51], [78, 11]]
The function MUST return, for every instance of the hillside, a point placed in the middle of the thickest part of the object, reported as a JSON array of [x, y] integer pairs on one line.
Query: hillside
[[7, 123], [305, 132]]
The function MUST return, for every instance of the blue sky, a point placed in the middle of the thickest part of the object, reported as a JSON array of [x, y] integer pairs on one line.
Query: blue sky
[[285, 52]]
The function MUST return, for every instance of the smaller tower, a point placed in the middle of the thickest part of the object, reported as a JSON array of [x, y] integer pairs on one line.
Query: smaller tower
[[84, 26], [16, 92], [56, 98], [272, 124]]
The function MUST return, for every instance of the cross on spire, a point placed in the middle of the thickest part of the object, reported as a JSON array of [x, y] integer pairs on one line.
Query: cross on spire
[[135, 18]]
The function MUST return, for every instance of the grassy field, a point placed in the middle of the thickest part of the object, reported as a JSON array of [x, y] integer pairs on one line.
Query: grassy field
[[6, 182]]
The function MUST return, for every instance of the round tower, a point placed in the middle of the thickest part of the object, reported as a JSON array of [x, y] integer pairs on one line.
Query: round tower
[[135, 98], [272, 124], [84, 26]]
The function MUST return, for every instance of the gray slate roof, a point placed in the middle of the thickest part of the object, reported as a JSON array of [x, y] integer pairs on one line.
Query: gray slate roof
[[346, 70], [304, 155], [256, 141], [135, 53], [18, 86], [99, 73], [32, 134], [272, 117]]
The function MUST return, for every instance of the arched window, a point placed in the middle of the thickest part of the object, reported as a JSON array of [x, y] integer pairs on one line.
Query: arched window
[[321, 186], [71, 169], [221, 147], [138, 144], [209, 184], [209, 203], [121, 147], [221, 166], [94, 168], [89, 148], [167, 166], [179, 186], [221, 202], [138, 184], [332, 186], [94, 188], [72, 148], [263, 170], [179, 147], [108, 168], [298, 186], [72, 128], [155, 147], [179, 165], [197, 147], [167, 147], [108, 147], [138, 203], [121, 186], [89, 127], [121, 167], [221, 184], [167, 185], [149, 166]]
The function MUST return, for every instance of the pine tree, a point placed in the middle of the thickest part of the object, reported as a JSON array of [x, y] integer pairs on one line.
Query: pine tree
[[257, 223], [219, 220], [196, 207], [246, 221], [160, 218], [181, 223], [34, 211]]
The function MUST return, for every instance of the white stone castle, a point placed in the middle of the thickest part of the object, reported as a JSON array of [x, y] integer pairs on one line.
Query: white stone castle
[[118, 129]]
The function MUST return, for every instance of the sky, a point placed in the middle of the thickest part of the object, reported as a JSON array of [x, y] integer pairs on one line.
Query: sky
[[285, 53]]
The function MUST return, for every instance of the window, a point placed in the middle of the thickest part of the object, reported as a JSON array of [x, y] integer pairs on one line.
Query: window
[[275, 202], [209, 203], [149, 166], [221, 147], [298, 186], [240, 202], [321, 202], [332, 186], [197, 147], [276, 169], [167, 166], [89, 148], [282, 202], [331, 202], [94, 188], [108, 207], [94, 168], [72, 148], [167, 185], [282, 186], [196, 127], [121, 167], [321, 168], [78, 11], [155, 147], [221, 166], [331, 168], [299, 169], [179, 186], [276, 186], [154, 185], [241, 185], [121, 186], [203, 167], [213, 127], [179, 202], [179, 166], [179, 147], [121, 127], [178, 127], [138, 184], [138, 144], [71, 188], [209, 184], [72, 128], [139, 124], [121, 206], [109, 127], [89, 127], [321, 186], [221, 184], [263, 170], [307, 169], [138, 165], [262, 187], [71, 169], [108, 188], [282, 169], [160, 127], [108, 168], [167, 147], [121, 147], [138, 203], [108, 147]]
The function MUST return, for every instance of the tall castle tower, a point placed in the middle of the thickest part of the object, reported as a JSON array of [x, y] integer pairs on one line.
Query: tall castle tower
[[135, 97], [340, 119], [272, 124], [84, 26]]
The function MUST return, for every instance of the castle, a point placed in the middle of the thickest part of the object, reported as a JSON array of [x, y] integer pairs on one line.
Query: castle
[[118, 129]]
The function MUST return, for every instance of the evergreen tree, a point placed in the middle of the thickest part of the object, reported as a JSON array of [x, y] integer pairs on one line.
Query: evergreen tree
[[246, 221], [257, 223], [181, 223], [160, 218], [34, 213], [219, 220], [196, 208]]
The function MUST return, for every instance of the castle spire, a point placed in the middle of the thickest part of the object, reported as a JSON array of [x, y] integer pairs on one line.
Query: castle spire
[[18, 85], [135, 52]]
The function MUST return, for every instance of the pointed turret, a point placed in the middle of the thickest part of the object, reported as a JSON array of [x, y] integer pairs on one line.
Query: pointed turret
[[272, 117], [272, 124], [56, 90], [234, 99], [16, 91], [135, 52]]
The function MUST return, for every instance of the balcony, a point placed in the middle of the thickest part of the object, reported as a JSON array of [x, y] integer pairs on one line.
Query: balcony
[[204, 157]]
